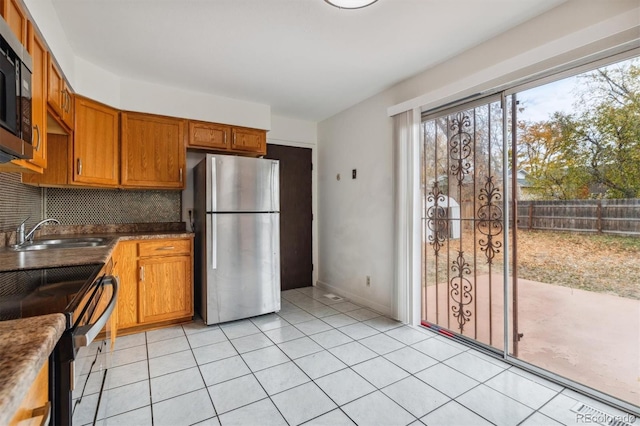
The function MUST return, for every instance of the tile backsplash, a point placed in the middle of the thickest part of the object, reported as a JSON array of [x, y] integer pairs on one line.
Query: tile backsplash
[[83, 206], [111, 206], [17, 202]]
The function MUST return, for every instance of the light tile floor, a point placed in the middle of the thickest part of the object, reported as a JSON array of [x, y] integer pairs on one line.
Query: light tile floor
[[319, 362]]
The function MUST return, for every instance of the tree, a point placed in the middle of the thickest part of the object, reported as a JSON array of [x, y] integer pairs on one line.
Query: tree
[[594, 151], [548, 157]]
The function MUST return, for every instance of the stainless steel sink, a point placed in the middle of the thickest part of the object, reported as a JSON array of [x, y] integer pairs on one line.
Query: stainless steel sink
[[58, 243]]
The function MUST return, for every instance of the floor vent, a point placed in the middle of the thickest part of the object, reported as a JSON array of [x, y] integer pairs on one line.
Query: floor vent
[[333, 297], [590, 414]]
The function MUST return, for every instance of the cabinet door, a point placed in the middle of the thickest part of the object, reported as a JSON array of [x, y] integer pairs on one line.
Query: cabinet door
[[67, 106], [125, 268], [153, 151], [57, 173], [55, 85], [16, 18], [209, 135], [249, 140], [95, 144], [165, 288], [38, 52], [32, 409]]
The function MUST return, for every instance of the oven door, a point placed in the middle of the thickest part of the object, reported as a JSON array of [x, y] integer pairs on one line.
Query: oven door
[[92, 355]]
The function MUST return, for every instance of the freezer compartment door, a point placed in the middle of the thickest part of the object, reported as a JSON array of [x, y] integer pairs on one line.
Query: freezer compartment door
[[240, 184], [243, 266]]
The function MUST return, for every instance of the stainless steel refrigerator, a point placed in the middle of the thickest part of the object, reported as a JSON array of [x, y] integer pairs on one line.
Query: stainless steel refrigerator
[[237, 224]]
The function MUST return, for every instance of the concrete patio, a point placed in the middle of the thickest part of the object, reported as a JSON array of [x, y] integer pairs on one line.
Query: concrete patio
[[592, 338]]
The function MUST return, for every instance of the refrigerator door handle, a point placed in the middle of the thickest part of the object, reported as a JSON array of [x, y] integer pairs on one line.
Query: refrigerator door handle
[[214, 243], [274, 178], [214, 185]]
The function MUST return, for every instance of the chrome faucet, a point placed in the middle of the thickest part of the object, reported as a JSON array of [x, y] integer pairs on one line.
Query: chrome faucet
[[21, 238]]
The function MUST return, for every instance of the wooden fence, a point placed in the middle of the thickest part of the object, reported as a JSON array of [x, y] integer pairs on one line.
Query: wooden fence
[[600, 216]]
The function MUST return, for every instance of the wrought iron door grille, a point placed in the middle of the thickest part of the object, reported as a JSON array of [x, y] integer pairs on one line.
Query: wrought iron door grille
[[462, 221]]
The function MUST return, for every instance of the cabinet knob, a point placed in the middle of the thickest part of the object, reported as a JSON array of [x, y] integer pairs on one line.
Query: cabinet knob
[[79, 166], [180, 174], [142, 273]]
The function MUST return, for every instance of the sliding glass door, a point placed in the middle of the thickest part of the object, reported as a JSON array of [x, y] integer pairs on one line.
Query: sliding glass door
[[578, 234], [531, 227]]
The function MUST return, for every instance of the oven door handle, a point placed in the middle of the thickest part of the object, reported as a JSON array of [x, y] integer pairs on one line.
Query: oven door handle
[[84, 335]]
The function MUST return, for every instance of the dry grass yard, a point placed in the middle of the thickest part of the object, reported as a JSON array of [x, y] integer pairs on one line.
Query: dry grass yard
[[600, 263]]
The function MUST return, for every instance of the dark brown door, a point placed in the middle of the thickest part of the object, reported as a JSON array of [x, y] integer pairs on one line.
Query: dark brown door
[[295, 215]]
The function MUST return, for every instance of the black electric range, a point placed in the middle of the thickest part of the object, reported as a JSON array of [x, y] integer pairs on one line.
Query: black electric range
[[84, 295]]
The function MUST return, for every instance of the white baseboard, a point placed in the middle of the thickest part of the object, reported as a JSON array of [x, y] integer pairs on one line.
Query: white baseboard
[[384, 310]]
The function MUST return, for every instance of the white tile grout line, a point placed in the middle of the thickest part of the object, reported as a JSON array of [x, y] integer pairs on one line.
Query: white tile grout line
[[314, 380]]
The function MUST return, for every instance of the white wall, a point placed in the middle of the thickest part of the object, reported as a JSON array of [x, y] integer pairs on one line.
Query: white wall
[[96, 83], [46, 17], [136, 95], [356, 216]]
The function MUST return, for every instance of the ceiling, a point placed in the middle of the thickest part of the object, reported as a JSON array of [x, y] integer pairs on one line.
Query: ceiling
[[304, 58]]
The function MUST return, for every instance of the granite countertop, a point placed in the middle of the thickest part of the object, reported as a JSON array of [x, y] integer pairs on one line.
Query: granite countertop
[[25, 345], [11, 260]]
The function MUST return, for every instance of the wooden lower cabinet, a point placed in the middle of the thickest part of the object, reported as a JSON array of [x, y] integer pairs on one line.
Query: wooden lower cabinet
[[156, 282], [35, 405], [125, 269], [164, 292]]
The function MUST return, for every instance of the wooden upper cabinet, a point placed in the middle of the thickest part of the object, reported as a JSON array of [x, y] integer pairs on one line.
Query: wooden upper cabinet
[[209, 135], [38, 52], [227, 139], [55, 87], [16, 18], [95, 144], [153, 151], [68, 104], [249, 140], [59, 95]]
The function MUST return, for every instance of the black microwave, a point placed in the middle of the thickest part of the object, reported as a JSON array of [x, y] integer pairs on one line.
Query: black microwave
[[15, 97]]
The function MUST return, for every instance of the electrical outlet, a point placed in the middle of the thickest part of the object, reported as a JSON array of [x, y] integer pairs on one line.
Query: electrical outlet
[[368, 281]]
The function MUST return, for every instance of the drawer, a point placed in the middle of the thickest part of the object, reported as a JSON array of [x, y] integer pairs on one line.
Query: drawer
[[164, 247]]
